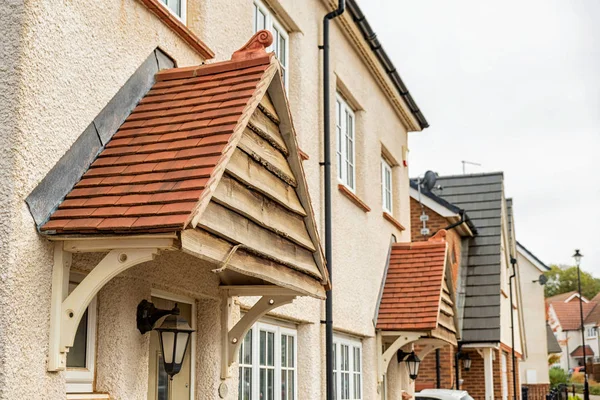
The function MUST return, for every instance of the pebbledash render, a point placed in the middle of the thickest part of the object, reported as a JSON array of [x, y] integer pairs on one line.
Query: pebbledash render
[[149, 154]]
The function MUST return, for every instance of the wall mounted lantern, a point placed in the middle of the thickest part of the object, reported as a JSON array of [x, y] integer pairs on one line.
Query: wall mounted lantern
[[412, 363], [174, 333], [466, 361]]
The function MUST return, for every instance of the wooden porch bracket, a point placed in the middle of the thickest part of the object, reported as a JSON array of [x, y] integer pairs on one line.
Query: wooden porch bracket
[[233, 335], [430, 345], [389, 354], [67, 309]]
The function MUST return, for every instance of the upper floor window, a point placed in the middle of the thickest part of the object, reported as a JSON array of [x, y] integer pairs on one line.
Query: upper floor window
[[177, 7], [345, 139], [386, 186], [347, 369], [591, 332], [264, 19], [267, 363]]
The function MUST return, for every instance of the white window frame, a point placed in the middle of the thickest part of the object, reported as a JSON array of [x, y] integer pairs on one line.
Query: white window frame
[[273, 25], [593, 331], [278, 330], [338, 342], [81, 380], [344, 135], [183, 16], [386, 168]]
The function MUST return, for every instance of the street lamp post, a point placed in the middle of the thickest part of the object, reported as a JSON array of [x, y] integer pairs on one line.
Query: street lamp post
[[586, 388]]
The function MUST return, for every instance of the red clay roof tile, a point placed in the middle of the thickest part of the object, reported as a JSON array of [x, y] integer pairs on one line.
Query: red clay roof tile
[[150, 176], [413, 286]]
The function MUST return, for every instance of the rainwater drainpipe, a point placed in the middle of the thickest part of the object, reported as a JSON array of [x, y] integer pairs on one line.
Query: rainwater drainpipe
[[329, 378], [513, 261]]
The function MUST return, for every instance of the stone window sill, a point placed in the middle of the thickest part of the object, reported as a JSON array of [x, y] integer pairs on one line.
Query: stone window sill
[[393, 221], [178, 27], [88, 396], [353, 198]]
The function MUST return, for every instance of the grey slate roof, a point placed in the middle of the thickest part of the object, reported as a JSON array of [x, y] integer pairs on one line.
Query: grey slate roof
[[481, 196], [553, 346]]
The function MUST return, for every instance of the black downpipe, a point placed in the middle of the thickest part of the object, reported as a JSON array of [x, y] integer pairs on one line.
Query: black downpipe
[[329, 378], [438, 378], [456, 367], [513, 261]]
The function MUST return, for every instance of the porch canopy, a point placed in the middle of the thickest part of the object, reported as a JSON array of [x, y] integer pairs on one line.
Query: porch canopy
[[417, 300], [206, 163]]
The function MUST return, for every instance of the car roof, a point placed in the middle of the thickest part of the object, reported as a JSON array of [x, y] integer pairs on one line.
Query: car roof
[[458, 394]]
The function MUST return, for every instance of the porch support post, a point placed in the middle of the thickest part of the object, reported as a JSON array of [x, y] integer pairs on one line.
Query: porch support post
[[66, 310], [57, 360], [232, 337], [488, 370]]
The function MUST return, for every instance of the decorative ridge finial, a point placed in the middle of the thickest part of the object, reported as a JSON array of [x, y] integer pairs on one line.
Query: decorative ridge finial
[[440, 235], [255, 47]]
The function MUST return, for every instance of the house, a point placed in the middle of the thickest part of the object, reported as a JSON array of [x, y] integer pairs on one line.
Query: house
[[149, 155], [441, 215], [484, 287], [565, 321], [534, 369]]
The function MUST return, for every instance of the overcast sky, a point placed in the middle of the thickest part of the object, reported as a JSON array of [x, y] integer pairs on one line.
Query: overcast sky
[[515, 86]]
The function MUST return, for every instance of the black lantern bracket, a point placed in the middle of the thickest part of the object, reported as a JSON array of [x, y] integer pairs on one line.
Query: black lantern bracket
[[148, 315]]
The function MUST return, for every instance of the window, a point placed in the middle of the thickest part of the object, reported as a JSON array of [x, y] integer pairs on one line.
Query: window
[[345, 143], [386, 186], [267, 364], [591, 332], [81, 358], [264, 19], [177, 8], [347, 369]]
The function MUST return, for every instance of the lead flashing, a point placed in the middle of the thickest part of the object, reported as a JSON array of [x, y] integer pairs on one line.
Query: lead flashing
[[59, 181]]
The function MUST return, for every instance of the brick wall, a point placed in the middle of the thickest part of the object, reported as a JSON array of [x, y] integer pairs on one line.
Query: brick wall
[[435, 223], [474, 379], [427, 371], [537, 391]]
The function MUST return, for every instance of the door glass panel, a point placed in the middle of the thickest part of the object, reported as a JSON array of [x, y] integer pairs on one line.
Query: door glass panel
[[76, 357]]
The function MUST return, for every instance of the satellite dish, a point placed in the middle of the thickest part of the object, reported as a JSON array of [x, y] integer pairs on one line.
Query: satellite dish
[[543, 279], [429, 180]]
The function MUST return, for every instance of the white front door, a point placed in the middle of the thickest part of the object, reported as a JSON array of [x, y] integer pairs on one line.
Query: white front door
[[158, 378]]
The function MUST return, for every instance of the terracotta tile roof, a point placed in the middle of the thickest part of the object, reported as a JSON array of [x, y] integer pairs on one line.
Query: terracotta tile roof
[[594, 316], [561, 297], [413, 286], [578, 352], [568, 313], [152, 173]]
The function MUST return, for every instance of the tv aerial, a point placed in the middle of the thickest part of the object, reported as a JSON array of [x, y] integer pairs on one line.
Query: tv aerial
[[427, 183], [464, 163]]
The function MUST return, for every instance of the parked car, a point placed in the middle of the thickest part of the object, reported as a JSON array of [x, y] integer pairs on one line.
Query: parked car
[[442, 394]]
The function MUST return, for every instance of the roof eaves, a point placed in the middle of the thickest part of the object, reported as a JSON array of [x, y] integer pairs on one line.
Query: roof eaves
[[531, 255], [369, 35]]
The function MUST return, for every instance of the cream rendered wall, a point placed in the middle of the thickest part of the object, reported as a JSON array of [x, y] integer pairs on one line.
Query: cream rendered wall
[[67, 60], [61, 63], [505, 305], [534, 312], [361, 240]]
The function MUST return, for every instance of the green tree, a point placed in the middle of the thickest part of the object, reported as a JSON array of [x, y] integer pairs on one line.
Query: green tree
[[563, 279]]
